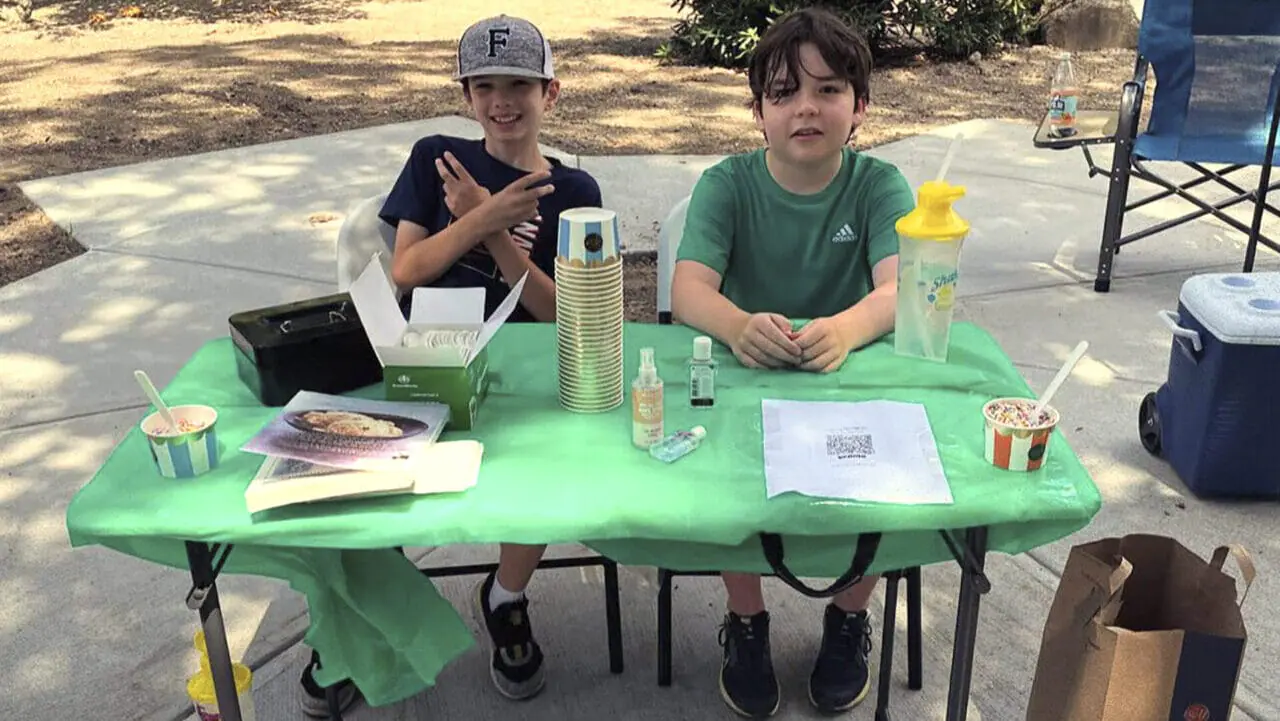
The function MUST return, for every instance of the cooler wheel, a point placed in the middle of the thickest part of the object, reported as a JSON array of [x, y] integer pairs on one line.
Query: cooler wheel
[[1149, 424]]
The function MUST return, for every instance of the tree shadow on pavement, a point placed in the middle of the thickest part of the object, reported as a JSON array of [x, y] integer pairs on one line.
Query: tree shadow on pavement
[[102, 12]]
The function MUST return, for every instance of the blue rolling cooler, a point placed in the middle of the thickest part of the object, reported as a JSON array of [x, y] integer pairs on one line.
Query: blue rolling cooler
[[1217, 417]]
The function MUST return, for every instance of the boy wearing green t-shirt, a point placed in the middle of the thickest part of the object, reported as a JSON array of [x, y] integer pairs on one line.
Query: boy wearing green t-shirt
[[803, 228]]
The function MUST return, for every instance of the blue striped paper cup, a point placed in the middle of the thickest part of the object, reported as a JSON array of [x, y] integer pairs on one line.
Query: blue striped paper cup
[[588, 238], [186, 452]]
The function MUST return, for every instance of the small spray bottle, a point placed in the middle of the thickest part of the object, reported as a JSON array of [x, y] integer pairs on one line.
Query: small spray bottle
[[678, 444], [646, 403]]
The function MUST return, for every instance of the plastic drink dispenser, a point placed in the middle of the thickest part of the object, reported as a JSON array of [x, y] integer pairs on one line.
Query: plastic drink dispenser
[[929, 241]]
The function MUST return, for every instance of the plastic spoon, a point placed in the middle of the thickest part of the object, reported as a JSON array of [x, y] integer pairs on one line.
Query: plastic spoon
[[919, 264], [1059, 379], [951, 155], [152, 394]]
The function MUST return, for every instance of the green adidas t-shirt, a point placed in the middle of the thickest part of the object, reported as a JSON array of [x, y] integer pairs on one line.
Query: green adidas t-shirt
[[804, 256]]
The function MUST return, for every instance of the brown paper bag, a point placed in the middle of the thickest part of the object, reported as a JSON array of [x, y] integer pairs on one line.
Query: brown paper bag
[[1141, 629]]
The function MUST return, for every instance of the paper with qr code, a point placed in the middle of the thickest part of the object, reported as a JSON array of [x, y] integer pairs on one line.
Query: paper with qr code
[[871, 451]]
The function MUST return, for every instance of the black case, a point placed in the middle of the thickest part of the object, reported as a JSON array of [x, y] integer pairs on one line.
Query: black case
[[316, 345]]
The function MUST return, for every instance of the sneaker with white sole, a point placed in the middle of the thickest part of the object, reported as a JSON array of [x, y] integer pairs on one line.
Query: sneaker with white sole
[[841, 678], [515, 658]]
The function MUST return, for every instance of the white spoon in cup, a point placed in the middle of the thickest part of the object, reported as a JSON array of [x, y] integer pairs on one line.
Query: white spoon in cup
[[1059, 379], [154, 396]]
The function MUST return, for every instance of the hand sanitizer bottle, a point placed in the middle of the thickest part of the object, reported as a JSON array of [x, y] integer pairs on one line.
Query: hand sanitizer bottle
[[678, 444], [646, 403], [702, 374]]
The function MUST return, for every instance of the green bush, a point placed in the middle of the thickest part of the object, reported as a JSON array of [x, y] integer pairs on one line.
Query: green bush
[[724, 32]]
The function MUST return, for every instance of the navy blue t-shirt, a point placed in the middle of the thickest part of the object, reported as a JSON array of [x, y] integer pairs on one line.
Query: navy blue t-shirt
[[418, 196]]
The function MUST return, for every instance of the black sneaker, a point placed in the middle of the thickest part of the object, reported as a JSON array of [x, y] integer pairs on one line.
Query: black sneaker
[[314, 699], [747, 682], [516, 665], [840, 679]]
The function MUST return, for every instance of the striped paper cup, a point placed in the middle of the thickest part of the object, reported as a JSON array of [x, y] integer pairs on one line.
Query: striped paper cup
[[588, 238], [1014, 441], [188, 451]]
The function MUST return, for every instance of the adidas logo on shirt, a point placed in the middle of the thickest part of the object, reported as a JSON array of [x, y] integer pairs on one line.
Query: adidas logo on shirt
[[844, 235]]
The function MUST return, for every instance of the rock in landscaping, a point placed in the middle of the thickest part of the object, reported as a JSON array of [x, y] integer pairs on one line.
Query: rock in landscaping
[[15, 11], [1089, 24]]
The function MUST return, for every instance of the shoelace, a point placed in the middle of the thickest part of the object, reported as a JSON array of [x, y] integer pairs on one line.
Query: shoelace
[[513, 631], [853, 641], [738, 637]]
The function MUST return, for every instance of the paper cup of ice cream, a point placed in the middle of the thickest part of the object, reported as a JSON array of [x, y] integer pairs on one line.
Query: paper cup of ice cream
[[588, 238], [188, 450], [1016, 441]]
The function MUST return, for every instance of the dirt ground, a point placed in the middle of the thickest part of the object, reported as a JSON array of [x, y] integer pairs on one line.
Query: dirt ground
[[99, 83]]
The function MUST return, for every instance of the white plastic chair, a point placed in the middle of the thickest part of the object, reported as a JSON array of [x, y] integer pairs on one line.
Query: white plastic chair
[[669, 236], [362, 235]]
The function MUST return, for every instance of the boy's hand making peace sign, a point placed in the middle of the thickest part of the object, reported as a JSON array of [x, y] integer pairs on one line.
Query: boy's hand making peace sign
[[462, 193], [514, 208]]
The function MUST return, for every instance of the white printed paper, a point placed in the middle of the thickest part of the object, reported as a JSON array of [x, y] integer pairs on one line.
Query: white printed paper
[[872, 451]]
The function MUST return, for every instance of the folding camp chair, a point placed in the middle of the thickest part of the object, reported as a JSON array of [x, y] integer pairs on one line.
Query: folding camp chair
[[1215, 63]]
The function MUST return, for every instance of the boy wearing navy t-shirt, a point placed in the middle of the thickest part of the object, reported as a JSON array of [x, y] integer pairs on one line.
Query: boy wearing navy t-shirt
[[483, 213], [479, 213]]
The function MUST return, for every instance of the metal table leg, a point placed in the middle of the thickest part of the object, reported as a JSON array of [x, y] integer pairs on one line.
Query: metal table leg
[[204, 597], [915, 637], [664, 628], [613, 616], [973, 584], [886, 644]]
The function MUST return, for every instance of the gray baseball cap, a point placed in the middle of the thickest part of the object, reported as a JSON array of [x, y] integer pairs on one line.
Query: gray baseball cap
[[504, 45]]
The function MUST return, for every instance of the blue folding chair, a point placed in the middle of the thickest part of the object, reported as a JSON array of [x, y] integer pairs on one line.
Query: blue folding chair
[[1215, 63]]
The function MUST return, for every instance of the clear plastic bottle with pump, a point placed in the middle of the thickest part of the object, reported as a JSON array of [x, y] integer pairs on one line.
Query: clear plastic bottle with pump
[[702, 374], [646, 403], [1064, 95]]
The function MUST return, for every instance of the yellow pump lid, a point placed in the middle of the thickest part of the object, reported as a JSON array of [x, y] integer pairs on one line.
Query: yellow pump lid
[[200, 686], [933, 217]]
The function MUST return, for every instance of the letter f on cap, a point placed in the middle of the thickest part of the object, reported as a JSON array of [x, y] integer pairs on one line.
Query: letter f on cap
[[497, 39]]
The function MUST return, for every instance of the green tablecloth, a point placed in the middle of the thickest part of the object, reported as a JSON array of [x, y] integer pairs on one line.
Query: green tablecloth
[[550, 476]]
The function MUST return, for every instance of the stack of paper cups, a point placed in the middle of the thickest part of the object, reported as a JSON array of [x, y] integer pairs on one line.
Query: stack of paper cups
[[589, 310]]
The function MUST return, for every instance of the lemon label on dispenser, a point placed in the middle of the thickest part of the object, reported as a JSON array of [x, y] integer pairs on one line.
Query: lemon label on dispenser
[[942, 291]]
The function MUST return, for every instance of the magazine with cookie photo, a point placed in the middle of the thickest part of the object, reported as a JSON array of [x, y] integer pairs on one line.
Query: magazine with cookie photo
[[354, 433], [355, 424]]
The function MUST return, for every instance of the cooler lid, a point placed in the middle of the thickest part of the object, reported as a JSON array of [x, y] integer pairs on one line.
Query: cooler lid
[[1237, 308]]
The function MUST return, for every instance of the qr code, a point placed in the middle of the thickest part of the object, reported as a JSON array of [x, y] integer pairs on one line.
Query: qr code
[[847, 445]]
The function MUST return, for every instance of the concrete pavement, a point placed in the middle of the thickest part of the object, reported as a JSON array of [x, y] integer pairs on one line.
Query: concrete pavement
[[176, 246]]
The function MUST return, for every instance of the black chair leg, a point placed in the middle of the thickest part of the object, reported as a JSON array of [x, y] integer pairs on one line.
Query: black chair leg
[[1118, 189], [613, 615], [915, 636], [331, 697], [1264, 183], [886, 643], [664, 627]]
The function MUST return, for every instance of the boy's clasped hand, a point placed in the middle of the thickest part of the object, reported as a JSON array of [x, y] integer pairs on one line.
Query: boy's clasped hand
[[767, 341]]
